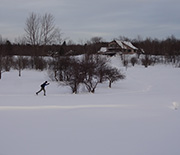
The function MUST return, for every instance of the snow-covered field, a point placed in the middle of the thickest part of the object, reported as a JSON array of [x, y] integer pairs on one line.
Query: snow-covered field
[[136, 116]]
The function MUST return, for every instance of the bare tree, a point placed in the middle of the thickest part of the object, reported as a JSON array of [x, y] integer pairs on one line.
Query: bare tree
[[3, 66], [134, 60], [1, 49], [49, 33], [146, 61], [113, 74], [19, 64], [73, 75], [101, 67], [19, 61], [1, 56], [92, 71], [123, 38], [32, 29], [41, 30], [96, 40], [66, 71]]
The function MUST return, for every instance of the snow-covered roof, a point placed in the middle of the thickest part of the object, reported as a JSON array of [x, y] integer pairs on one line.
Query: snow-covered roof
[[103, 49], [124, 44]]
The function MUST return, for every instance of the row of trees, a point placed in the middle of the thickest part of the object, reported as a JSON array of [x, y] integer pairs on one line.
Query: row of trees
[[150, 60], [20, 63], [153, 46], [58, 64], [90, 71]]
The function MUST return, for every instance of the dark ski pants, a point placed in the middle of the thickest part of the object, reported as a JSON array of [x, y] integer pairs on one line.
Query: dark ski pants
[[42, 89]]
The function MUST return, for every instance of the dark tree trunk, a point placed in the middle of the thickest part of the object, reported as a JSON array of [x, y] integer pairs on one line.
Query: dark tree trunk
[[110, 83]]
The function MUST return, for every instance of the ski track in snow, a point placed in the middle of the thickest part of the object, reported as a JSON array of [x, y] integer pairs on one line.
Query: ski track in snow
[[48, 107]]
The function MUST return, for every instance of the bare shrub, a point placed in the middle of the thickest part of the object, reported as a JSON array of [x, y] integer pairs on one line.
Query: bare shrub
[[134, 61], [113, 74]]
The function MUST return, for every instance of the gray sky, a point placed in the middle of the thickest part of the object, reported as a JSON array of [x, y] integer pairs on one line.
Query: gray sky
[[80, 20]]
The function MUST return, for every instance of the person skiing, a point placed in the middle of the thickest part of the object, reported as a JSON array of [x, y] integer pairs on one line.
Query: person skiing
[[43, 88]]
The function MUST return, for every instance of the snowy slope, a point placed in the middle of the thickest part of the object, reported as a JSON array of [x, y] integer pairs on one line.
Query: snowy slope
[[135, 117]]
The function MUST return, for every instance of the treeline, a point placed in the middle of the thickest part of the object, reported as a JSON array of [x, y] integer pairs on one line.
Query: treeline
[[169, 47], [11, 49], [20, 63]]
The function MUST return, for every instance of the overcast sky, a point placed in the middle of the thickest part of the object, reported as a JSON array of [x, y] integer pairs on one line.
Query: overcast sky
[[80, 20]]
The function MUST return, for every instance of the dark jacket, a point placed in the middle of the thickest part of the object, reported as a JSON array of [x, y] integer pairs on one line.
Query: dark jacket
[[44, 84]]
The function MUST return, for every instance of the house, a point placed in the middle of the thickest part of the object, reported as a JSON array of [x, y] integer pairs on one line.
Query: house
[[117, 46], [105, 51]]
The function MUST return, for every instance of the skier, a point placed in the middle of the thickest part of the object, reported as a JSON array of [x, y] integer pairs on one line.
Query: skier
[[43, 88]]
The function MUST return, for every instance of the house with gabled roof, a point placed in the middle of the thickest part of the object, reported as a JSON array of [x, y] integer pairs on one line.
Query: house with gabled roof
[[117, 46]]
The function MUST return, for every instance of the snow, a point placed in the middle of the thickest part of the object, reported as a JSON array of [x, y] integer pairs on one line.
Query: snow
[[137, 116], [130, 44], [103, 49], [123, 43]]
